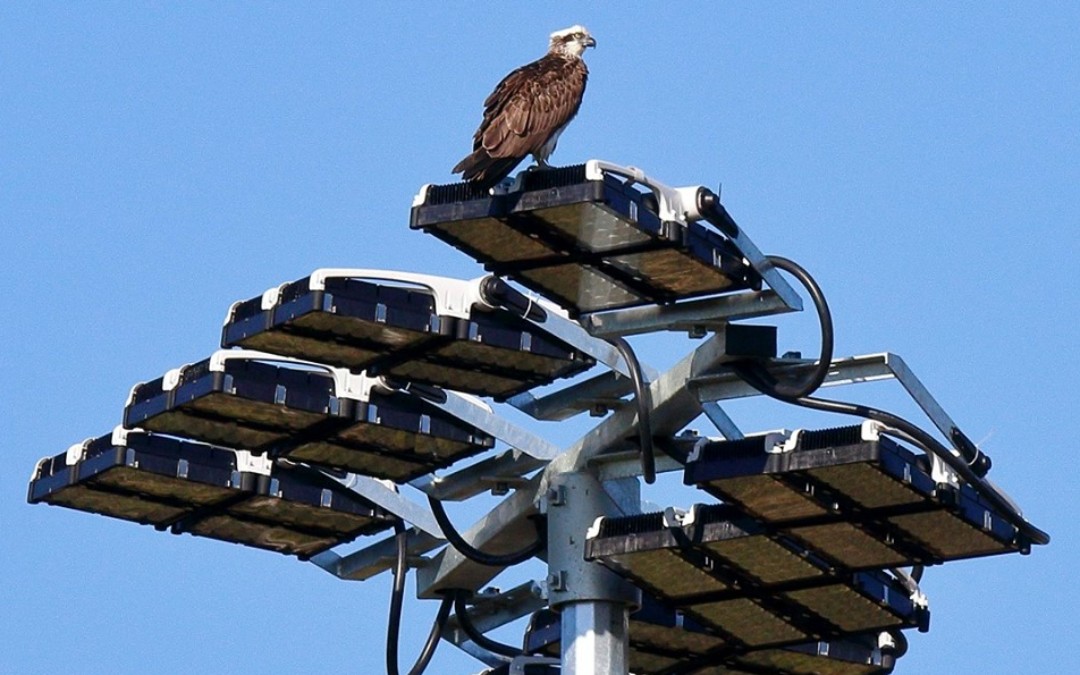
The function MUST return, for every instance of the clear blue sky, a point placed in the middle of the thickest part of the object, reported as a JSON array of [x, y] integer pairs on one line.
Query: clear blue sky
[[160, 160]]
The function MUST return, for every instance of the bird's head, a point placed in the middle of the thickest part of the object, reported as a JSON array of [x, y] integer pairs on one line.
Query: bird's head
[[572, 41]]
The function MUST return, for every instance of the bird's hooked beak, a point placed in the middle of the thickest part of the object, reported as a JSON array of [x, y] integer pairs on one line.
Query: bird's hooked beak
[[590, 42]]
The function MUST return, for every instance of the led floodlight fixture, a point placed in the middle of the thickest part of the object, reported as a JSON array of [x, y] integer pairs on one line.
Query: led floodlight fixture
[[204, 490], [471, 336], [854, 496], [714, 547], [306, 412], [732, 575], [663, 640], [152, 480], [586, 239], [851, 656]]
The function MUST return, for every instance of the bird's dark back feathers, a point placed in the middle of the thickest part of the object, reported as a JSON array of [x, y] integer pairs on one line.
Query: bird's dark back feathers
[[527, 108]]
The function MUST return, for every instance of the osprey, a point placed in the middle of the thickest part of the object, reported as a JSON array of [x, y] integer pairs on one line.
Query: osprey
[[529, 109]]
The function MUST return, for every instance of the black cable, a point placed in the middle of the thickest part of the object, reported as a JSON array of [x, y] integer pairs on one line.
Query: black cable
[[474, 634], [644, 407], [397, 595], [821, 369], [970, 466], [393, 623], [474, 554], [928, 443], [910, 432], [434, 637], [496, 291]]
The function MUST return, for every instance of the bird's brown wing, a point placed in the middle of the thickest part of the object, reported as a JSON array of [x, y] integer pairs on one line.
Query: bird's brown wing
[[529, 105]]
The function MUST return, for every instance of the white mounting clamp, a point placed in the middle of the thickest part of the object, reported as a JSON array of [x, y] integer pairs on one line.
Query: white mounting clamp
[[248, 462], [679, 204]]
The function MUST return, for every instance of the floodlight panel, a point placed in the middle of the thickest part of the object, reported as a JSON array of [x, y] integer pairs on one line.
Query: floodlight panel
[[669, 573], [297, 413], [726, 533], [766, 497], [775, 486], [765, 559], [149, 479], [673, 639], [598, 228], [648, 551], [951, 535], [851, 607], [362, 458], [553, 212], [397, 436], [459, 373], [579, 288], [673, 273], [296, 517], [659, 638], [850, 545], [248, 405], [754, 584], [396, 330], [493, 353], [861, 503], [347, 323], [817, 658], [662, 641], [588, 244], [268, 536], [117, 505], [872, 486], [489, 239], [747, 621]]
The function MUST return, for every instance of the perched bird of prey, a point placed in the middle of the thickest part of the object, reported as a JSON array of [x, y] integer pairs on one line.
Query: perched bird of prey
[[529, 109]]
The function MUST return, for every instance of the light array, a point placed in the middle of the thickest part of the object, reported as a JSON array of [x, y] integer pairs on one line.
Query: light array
[[853, 496], [207, 491], [733, 576], [305, 412], [419, 328], [588, 242], [664, 640]]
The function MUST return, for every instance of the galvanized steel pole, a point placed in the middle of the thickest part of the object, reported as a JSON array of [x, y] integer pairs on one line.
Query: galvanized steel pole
[[594, 603]]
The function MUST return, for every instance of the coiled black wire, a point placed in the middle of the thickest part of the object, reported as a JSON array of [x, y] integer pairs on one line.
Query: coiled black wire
[[474, 634], [644, 407], [474, 554], [788, 391]]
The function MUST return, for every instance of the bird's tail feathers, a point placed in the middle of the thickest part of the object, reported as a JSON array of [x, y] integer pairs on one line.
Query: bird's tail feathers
[[485, 170]]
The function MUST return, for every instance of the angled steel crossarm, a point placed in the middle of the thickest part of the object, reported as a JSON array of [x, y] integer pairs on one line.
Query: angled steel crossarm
[[604, 389], [844, 371], [690, 315], [390, 499], [483, 418], [575, 398], [674, 406], [424, 536], [506, 467], [375, 558], [570, 332], [490, 611]]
